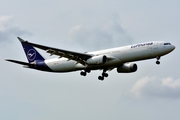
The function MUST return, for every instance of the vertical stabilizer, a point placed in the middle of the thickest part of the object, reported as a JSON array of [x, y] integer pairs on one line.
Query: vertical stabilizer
[[31, 53]]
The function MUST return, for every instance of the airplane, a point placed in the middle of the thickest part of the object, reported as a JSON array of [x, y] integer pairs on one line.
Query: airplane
[[105, 60]]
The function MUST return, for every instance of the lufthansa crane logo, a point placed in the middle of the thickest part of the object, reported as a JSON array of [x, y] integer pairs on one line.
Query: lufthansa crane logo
[[31, 54]]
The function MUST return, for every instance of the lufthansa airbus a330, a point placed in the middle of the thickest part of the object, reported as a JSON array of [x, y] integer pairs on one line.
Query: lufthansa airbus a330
[[105, 60]]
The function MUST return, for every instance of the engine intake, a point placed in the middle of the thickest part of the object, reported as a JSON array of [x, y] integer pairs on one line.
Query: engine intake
[[101, 59], [127, 68]]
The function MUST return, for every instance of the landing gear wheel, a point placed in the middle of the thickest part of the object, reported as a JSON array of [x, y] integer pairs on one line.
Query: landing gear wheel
[[101, 78], [158, 58], [83, 73], [157, 62], [105, 74]]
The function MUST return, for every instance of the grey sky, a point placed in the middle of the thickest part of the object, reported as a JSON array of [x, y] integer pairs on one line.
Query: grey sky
[[153, 92]]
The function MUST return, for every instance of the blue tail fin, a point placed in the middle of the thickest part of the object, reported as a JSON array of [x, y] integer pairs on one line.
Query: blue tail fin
[[31, 53]]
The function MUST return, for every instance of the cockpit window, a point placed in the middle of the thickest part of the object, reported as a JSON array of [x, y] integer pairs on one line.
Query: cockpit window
[[167, 43]]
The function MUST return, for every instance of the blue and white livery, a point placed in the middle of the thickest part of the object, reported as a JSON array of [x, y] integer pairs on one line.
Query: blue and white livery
[[106, 60]]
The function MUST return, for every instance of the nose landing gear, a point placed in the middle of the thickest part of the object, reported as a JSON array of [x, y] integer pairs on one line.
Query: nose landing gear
[[158, 58]]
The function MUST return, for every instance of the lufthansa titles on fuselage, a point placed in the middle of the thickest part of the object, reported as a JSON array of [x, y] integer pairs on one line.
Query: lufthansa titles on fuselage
[[142, 44]]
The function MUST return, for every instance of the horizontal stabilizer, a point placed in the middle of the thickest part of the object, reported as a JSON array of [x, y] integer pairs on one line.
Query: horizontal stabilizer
[[18, 62]]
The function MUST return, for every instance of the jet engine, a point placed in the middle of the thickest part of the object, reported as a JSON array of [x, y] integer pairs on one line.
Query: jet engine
[[127, 68], [101, 59]]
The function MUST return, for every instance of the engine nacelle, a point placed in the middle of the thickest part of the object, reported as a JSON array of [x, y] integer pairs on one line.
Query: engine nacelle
[[127, 68], [101, 59]]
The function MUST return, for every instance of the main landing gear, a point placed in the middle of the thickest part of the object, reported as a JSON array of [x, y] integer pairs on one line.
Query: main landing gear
[[104, 74], [84, 73], [158, 58]]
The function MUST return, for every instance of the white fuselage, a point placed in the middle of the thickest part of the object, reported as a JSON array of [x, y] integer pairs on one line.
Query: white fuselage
[[116, 56]]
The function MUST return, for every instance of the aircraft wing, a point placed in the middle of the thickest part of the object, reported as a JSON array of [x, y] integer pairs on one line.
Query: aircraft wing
[[70, 55]]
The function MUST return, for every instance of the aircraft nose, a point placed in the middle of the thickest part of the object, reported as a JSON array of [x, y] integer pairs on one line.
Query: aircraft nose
[[173, 47]]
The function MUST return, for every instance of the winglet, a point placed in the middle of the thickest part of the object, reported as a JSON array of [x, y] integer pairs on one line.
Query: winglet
[[21, 40]]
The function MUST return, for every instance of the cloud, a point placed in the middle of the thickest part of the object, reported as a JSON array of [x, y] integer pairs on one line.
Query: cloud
[[153, 86], [101, 36], [169, 82], [8, 30], [139, 85], [3, 22]]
